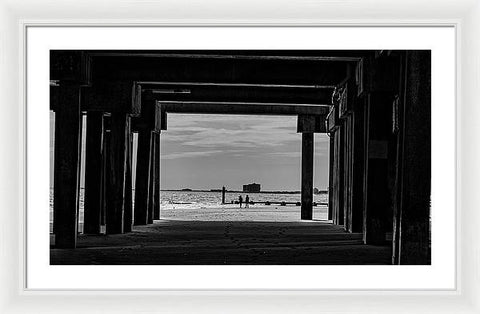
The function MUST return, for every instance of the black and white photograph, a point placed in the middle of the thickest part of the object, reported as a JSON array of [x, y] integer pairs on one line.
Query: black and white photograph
[[240, 157]]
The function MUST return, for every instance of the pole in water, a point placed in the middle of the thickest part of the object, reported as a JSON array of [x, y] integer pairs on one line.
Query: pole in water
[[223, 195]]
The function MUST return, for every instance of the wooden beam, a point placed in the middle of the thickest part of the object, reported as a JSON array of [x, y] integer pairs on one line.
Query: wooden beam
[[66, 166], [144, 124], [240, 93], [142, 178], [228, 70], [332, 120], [148, 119], [160, 118], [116, 166], [151, 179], [346, 98], [307, 176], [72, 66], [93, 173], [331, 177], [358, 167], [111, 96], [128, 212], [338, 206], [347, 173], [151, 84], [299, 55], [311, 124], [378, 212], [156, 205], [378, 74], [244, 108], [413, 196], [105, 154]]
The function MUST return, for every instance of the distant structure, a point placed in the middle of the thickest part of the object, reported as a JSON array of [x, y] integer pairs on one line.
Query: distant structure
[[251, 188]]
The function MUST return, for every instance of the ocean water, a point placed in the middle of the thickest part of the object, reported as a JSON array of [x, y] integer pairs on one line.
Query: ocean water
[[171, 200], [198, 200]]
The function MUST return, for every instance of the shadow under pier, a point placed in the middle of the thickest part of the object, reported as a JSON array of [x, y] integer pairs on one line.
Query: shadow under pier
[[182, 242]]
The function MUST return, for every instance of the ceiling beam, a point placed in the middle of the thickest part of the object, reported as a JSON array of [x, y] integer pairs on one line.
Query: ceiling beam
[[153, 84], [242, 108], [218, 71], [234, 93], [227, 56]]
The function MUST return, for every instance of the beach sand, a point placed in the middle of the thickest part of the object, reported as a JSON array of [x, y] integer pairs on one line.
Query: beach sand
[[232, 212], [259, 235]]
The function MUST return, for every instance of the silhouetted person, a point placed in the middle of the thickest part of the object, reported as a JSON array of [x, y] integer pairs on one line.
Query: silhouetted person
[[247, 200], [240, 200]]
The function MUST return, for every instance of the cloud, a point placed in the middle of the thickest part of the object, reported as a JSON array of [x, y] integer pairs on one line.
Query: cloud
[[267, 137], [212, 131]]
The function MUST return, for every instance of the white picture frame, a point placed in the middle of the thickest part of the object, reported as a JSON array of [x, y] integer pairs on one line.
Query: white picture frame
[[15, 17]]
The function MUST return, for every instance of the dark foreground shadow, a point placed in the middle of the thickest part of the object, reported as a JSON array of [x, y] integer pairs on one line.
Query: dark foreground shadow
[[180, 242]]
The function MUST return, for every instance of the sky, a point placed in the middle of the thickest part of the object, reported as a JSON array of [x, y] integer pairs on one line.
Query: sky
[[211, 151]]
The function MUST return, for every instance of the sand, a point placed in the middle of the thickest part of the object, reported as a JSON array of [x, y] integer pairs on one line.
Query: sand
[[231, 212]]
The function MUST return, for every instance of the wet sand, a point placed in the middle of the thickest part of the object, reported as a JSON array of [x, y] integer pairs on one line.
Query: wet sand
[[260, 235]]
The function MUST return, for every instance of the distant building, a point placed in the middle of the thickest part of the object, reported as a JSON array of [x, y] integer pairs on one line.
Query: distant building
[[251, 188]]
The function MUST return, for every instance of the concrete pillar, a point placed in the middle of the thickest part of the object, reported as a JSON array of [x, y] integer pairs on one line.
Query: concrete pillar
[[151, 180], [142, 178], [412, 206], [128, 211], [66, 166], [156, 181], [331, 177], [93, 173], [347, 174], [378, 200], [307, 176], [337, 174], [358, 168], [105, 154], [116, 166]]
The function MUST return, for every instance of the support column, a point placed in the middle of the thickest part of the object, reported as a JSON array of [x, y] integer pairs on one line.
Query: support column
[[128, 179], [331, 176], [378, 201], [307, 176], [358, 168], [106, 153], [151, 180], [116, 165], [93, 173], [347, 174], [338, 182], [413, 196], [142, 177], [156, 181], [66, 166]]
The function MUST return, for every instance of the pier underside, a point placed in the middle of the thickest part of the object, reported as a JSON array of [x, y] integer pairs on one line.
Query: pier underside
[[375, 106]]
